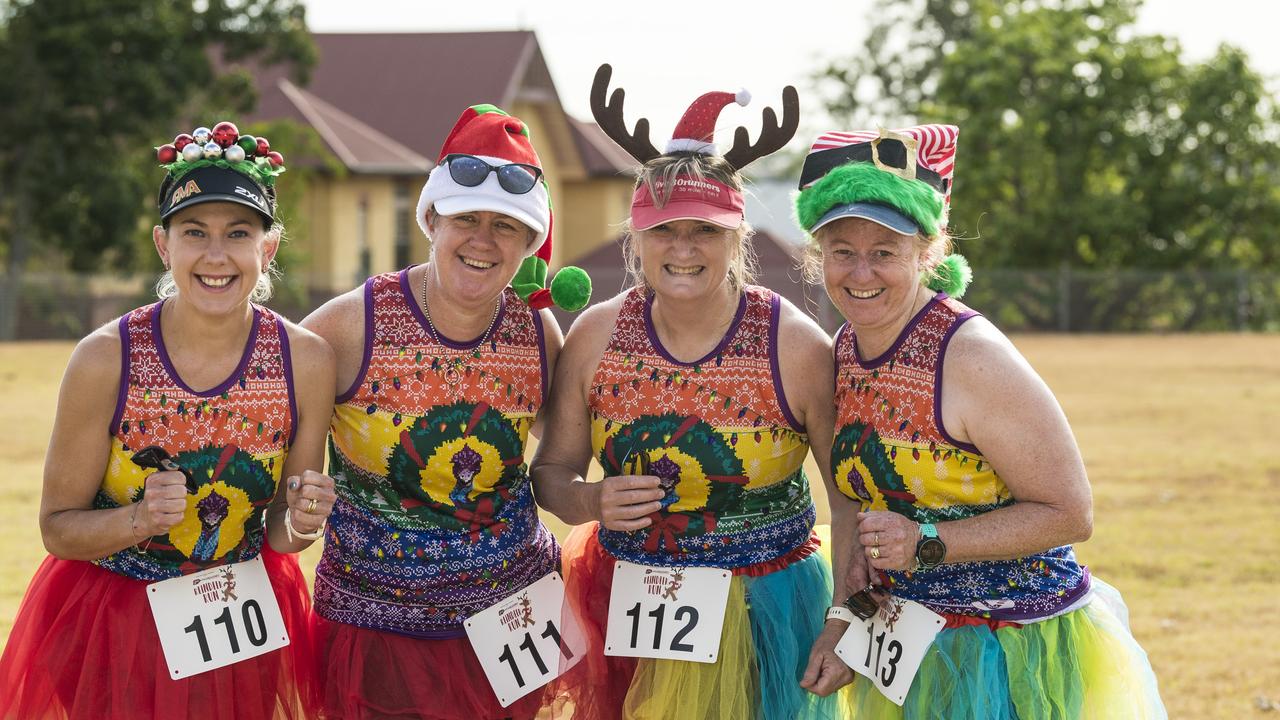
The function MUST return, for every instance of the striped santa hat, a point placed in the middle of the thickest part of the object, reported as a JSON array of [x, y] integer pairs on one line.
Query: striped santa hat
[[898, 178]]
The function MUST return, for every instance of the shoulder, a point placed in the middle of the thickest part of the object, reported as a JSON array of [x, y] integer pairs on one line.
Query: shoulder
[[98, 353], [796, 329], [595, 324], [310, 352], [979, 356], [589, 336], [343, 315], [94, 369]]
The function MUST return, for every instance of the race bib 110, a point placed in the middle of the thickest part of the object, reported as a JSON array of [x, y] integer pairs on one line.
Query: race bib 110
[[216, 617]]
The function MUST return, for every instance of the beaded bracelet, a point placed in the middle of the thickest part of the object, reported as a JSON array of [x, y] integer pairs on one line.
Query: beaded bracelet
[[288, 528]]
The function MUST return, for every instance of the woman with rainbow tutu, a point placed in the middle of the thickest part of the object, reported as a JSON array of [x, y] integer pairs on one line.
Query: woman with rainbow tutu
[[971, 486], [681, 389]]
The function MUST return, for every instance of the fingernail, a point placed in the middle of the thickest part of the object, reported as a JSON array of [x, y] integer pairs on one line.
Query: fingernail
[[293, 484]]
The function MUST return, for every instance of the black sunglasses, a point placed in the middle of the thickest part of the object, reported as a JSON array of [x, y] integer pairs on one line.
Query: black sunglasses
[[891, 151], [863, 603], [154, 456], [470, 171]]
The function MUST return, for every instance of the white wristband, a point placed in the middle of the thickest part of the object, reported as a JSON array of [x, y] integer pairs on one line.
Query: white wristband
[[840, 612], [288, 528]]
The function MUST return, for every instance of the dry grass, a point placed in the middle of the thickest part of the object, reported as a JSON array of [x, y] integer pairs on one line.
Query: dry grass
[[1177, 435]]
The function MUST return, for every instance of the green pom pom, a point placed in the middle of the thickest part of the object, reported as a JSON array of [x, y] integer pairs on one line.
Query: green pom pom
[[952, 276], [571, 288]]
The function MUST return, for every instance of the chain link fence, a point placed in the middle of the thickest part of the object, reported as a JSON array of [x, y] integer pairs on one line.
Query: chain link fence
[[68, 306]]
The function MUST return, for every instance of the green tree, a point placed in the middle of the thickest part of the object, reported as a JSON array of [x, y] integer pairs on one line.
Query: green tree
[[1083, 142], [88, 85]]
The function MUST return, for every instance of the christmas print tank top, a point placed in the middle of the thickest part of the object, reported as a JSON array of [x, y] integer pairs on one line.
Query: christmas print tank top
[[435, 518], [719, 435], [233, 438], [892, 452]]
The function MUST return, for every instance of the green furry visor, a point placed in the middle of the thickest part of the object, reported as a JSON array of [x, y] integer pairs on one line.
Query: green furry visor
[[875, 192]]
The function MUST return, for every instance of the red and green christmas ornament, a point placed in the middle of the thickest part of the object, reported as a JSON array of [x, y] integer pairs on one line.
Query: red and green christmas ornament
[[223, 146]]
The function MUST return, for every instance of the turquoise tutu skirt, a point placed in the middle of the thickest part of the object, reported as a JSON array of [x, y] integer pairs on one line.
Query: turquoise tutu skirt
[[1083, 664]]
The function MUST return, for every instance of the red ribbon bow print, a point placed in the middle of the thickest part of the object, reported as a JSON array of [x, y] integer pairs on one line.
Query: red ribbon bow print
[[480, 519], [664, 529]]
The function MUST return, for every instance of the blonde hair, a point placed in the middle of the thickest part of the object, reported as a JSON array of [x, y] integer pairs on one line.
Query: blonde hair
[[659, 176], [167, 287], [933, 250]]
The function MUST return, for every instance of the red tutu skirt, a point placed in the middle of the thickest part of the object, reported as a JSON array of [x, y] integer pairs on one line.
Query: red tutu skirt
[[597, 686], [84, 646], [372, 674]]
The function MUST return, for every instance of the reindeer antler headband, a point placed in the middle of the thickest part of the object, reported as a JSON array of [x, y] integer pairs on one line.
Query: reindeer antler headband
[[695, 130]]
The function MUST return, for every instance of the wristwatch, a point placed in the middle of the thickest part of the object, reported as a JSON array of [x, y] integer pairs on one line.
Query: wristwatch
[[840, 612], [930, 550]]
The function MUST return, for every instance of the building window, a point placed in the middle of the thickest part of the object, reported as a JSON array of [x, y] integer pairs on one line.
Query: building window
[[362, 240], [404, 209]]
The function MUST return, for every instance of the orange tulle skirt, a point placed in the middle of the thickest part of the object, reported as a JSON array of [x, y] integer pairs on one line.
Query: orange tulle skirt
[[84, 646]]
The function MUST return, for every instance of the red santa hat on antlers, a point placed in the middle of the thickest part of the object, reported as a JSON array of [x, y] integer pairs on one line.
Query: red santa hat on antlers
[[696, 130]]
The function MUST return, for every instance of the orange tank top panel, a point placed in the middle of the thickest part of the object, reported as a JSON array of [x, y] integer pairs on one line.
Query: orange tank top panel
[[435, 517], [232, 438], [892, 452], [717, 432]]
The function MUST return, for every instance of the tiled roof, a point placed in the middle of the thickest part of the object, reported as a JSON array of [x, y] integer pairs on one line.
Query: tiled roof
[[384, 102]]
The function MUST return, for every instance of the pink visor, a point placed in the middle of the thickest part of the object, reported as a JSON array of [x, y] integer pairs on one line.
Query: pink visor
[[691, 199]]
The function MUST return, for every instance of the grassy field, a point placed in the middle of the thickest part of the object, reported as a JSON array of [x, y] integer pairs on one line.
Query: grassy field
[[1176, 432]]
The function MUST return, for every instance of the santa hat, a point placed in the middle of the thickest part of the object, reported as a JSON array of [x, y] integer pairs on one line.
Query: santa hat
[[696, 130], [489, 133], [899, 179]]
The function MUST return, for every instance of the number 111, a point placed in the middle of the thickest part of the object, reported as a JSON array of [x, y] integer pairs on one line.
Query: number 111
[[551, 632]]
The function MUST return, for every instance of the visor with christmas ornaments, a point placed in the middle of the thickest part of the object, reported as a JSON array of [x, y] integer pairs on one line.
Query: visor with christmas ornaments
[[218, 165], [899, 179], [488, 164], [692, 198]]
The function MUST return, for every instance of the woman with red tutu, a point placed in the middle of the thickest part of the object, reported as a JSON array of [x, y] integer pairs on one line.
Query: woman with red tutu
[[970, 482], [175, 425], [442, 370], [681, 390]]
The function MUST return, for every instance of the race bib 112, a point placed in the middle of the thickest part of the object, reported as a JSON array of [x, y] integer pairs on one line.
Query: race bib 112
[[674, 613]]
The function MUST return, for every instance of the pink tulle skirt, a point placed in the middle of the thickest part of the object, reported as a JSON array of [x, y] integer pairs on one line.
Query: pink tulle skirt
[[84, 646]]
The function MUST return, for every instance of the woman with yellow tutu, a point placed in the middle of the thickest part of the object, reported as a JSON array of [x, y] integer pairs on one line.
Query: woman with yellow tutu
[[971, 485], [680, 389]]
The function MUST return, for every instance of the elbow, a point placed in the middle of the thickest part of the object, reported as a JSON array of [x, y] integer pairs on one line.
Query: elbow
[[52, 541], [1081, 522], [1084, 527]]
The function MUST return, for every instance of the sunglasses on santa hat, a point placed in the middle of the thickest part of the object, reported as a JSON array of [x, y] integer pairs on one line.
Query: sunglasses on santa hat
[[470, 171]]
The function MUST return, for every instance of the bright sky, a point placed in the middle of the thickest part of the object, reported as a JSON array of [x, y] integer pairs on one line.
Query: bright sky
[[667, 53]]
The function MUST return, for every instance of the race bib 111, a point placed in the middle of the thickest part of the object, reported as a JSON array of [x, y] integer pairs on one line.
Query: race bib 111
[[526, 640]]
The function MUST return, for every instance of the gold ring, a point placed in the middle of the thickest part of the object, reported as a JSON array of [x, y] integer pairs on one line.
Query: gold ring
[[877, 542], [875, 552], [311, 507]]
